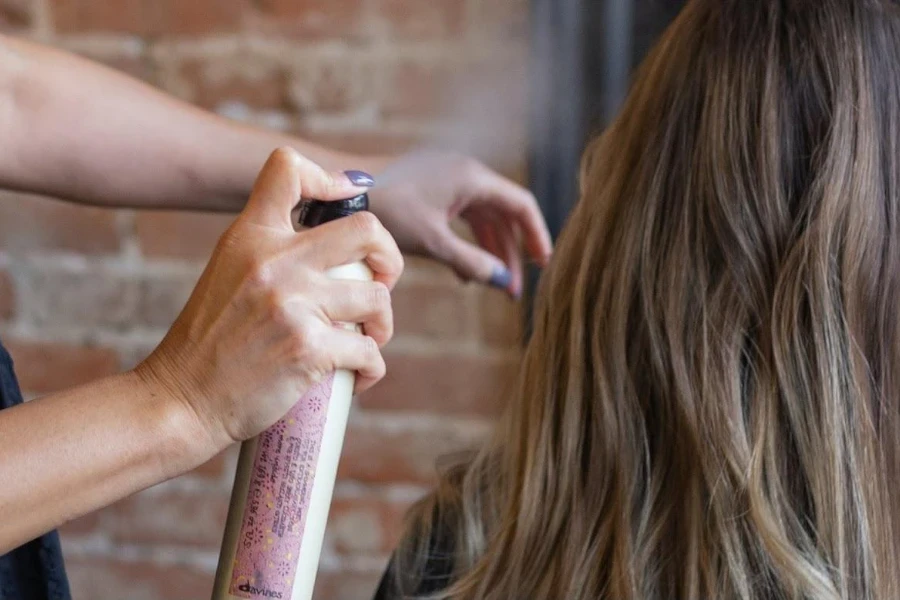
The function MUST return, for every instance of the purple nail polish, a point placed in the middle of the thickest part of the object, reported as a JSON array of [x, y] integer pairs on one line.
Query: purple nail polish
[[501, 279], [360, 178]]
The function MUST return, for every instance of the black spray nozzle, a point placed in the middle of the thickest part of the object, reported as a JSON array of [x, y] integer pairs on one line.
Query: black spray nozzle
[[318, 212]]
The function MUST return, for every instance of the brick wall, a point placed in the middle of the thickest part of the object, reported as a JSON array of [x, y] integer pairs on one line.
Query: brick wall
[[86, 292]]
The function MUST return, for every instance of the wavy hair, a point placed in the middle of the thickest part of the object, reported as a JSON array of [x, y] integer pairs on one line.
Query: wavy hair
[[708, 406]]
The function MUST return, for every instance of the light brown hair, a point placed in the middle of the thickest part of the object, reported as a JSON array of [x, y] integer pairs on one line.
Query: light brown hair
[[708, 407]]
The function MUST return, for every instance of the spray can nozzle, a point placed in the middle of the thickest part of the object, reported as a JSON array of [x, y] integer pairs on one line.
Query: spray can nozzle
[[318, 212]]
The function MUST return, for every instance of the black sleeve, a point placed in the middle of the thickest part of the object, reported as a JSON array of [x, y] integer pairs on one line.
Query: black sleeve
[[438, 573], [387, 589]]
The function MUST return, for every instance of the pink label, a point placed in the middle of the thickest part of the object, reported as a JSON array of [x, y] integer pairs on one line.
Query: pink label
[[278, 499]]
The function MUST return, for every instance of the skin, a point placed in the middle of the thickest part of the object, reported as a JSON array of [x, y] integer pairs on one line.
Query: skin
[[81, 132], [256, 333], [258, 330]]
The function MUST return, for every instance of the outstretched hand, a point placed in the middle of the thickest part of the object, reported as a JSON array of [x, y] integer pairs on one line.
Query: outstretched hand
[[418, 197]]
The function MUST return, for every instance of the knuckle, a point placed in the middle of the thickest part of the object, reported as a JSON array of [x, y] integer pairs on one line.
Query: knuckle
[[302, 346], [285, 155], [528, 207], [468, 166], [230, 239], [277, 308], [401, 264], [370, 348], [332, 184], [259, 273], [367, 225], [380, 296], [439, 244], [379, 367]]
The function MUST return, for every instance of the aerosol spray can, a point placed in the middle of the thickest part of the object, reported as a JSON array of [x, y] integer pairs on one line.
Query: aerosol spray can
[[285, 477]]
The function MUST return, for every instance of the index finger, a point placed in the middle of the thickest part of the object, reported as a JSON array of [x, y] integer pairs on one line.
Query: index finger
[[284, 179], [351, 239], [512, 199]]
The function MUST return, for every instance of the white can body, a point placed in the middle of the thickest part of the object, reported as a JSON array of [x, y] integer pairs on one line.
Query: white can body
[[273, 539]]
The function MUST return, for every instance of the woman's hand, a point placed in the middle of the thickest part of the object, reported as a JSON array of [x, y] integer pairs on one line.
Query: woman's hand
[[259, 329], [419, 195]]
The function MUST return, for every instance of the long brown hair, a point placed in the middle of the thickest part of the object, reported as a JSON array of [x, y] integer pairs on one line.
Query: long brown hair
[[708, 407]]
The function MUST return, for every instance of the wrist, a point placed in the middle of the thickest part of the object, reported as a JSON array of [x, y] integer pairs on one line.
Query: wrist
[[183, 435]]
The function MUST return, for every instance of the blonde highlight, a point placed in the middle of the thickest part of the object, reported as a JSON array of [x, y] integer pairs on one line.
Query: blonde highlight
[[708, 406]]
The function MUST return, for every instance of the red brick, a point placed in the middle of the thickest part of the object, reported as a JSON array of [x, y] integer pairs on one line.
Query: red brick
[[161, 299], [501, 320], [135, 66], [86, 525], [343, 19], [77, 16], [44, 368], [422, 20], [16, 15], [256, 86], [361, 142], [87, 299], [180, 234], [426, 270], [346, 585], [433, 311], [199, 16], [365, 525], [30, 223], [147, 17], [502, 20], [7, 296], [170, 516], [111, 579], [332, 86], [446, 384], [374, 455], [416, 89]]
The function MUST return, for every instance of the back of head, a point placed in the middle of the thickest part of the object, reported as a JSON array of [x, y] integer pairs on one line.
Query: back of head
[[708, 407]]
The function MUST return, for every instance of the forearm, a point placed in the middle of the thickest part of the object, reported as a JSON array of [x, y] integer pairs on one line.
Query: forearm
[[82, 132], [71, 453]]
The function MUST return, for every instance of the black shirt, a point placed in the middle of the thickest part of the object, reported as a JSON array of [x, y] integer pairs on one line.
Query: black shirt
[[34, 571], [438, 571]]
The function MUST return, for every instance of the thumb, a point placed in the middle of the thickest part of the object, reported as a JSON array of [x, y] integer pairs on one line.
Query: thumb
[[472, 263], [287, 177]]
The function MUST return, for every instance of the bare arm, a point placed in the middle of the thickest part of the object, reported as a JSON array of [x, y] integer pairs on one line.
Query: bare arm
[[82, 132], [255, 335], [71, 453], [76, 130]]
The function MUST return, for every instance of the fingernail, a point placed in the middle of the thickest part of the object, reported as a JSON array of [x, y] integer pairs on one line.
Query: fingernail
[[360, 178], [501, 279]]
